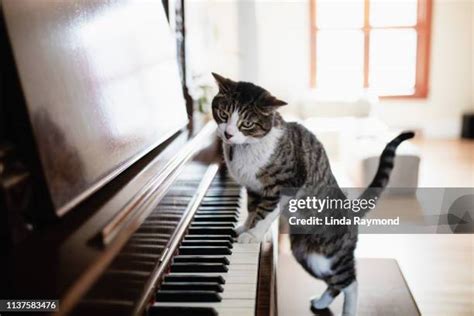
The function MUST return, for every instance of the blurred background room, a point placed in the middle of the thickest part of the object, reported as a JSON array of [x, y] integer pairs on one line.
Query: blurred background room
[[356, 72]]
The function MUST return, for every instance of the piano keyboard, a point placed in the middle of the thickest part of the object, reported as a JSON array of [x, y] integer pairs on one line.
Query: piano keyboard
[[210, 275]]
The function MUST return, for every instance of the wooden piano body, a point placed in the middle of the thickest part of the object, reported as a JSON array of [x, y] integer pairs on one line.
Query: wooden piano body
[[113, 199]]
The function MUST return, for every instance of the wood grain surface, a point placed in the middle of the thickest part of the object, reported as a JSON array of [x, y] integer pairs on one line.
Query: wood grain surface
[[382, 289]]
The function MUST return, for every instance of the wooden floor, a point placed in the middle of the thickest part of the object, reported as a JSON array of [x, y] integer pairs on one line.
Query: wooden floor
[[439, 269], [446, 163]]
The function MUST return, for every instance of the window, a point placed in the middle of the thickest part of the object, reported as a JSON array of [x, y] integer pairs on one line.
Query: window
[[382, 45]]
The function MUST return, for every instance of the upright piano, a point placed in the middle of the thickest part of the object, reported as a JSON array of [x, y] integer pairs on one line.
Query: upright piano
[[113, 196]]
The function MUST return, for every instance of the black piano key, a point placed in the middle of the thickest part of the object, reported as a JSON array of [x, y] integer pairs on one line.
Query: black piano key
[[215, 218], [194, 278], [214, 224], [204, 259], [211, 213], [210, 237], [159, 224], [181, 201], [230, 188], [211, 231], [165, 216], [193, 267], [200, 242], [192, 286], [220, 203], [204, 250], [181, 311], [231, 193], [162, 222], [187, 296], [213, 199], [218, 208]]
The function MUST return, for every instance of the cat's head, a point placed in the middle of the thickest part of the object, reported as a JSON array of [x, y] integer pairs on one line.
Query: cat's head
[[244, 112]]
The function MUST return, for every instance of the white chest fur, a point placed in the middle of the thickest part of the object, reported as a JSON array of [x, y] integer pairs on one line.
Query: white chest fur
[[248, 159]]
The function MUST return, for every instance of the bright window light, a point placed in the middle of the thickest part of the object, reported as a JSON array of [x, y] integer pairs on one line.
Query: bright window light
[[393, 12], [392, 61], [340, 58], [340, 14], [376, 45]]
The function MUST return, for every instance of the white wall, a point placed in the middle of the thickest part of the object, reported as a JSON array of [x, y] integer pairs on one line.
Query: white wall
[[283, 34], [212, 37]]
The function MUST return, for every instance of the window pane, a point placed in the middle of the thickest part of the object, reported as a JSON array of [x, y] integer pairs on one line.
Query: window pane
[[339, 13], [393, 61], [393, 12], [340, 59]]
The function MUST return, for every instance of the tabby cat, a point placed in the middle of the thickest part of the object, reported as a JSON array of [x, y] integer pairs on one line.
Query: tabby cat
[[266, 154]]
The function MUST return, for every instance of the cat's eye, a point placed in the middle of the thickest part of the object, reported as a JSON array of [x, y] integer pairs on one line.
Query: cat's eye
[[247, 124], [222, 115]]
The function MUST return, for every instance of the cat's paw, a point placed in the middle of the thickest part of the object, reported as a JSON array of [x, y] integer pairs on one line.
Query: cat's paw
[[321, 312], [240, 229], [248, 238], [319, 303]]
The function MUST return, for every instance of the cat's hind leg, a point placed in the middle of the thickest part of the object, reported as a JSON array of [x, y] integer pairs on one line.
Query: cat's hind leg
[[350, 299], [343, 279]]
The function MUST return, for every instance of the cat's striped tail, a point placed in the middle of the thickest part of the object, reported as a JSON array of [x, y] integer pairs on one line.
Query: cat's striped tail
[[386, 164]]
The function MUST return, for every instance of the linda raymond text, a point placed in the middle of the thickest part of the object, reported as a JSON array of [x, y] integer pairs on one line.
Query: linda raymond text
[[353, 220]]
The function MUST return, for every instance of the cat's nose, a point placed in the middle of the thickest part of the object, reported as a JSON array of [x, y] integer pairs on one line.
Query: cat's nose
[[227, 135]]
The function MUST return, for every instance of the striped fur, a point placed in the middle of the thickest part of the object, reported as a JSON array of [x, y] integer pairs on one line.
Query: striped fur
[[269, 155], [386, 164]]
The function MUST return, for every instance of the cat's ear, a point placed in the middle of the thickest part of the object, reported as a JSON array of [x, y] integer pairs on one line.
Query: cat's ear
[[270, 101], [225, 85]]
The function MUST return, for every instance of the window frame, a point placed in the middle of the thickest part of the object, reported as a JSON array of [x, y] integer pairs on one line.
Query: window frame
[[423, 29]]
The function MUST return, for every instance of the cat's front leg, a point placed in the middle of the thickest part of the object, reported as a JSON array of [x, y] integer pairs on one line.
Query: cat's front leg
[[246, 224], [266, 212], [253, 200]]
